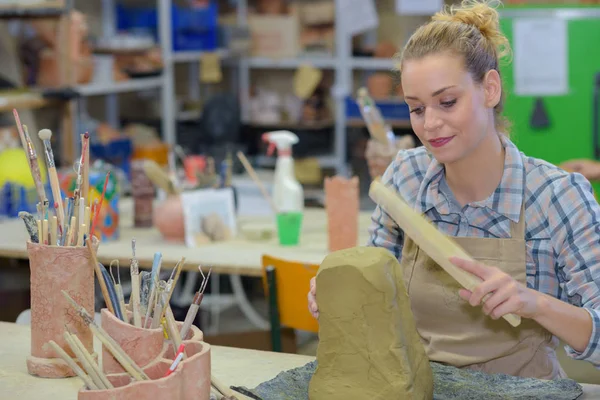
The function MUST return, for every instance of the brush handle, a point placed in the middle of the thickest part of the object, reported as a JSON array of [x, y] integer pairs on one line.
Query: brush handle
[[189, 320], [55, 186], [135, 298], [53, 230]]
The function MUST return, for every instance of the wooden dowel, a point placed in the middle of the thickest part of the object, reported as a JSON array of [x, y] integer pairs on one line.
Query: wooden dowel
[[40, 232], [44, 231], [100, 276], [256, 180], [135, 297], [73, 365], [85, 361], [88, 356], [53, 230], [435, 244], [72, 228], [172, 328]]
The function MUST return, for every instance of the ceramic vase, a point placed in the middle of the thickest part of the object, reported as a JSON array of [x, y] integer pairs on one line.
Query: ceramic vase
[[54, 269]]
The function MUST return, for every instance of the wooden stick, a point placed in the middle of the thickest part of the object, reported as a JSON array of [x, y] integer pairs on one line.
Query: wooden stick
[[40, 231], [86, 171], [53, 230], [86, 362], [100, 277], [435, 244], [172, 328], [72, 227], [111, 345], [135, 297], [256, 180], [178, 268], [73, 365]]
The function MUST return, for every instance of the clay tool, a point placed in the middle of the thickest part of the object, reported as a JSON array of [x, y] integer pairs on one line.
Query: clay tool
[[195, 306], [71, 233], [45, 135], [172, 328], [159, 306], [86, 361], [437, 245], [100, 204], [118, 287], [156, 264], [151, 302], [178, 358], [135, 288], [111, 345], [256, 180], [112, 293], [73, 365], [144, 290], [30, 225], [87, 219], [173, 282], [222, 388], [245, 392], [96, 266]]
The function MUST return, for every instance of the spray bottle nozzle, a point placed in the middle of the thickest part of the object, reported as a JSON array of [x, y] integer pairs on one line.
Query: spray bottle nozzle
[[282, 140]]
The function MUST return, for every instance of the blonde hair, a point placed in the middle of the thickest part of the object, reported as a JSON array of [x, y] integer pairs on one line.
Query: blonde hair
[[470, 30]]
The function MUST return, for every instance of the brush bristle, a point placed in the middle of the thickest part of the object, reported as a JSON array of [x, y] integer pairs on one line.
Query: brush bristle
[[45, 134]]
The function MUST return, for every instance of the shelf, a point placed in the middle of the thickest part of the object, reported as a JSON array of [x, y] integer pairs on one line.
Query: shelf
[[194, 56], [359, 123], [317, 62], [131, 85], [27, 101], [370, 63], [294, 126], [190, 115], [42, 10]]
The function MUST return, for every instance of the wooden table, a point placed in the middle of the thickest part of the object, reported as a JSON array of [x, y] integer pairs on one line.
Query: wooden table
[[237, 367], [239, 256]]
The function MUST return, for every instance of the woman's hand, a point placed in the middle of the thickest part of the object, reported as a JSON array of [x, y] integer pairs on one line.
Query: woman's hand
[[312, 298], [507, 296]]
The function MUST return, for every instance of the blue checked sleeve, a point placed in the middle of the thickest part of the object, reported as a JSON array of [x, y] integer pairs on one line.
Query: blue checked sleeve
[[384, 232], [574, 224]]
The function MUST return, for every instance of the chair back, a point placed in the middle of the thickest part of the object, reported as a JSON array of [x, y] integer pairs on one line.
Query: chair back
[[292, 281]]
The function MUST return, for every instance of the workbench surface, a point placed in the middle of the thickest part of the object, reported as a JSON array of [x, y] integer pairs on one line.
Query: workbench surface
[[238, 256], [238, 367]]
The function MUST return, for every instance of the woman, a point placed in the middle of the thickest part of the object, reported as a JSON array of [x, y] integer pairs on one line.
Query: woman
[[533, 228]]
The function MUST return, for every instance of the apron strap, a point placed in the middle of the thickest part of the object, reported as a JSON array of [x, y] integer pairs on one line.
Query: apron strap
[[517, 230]]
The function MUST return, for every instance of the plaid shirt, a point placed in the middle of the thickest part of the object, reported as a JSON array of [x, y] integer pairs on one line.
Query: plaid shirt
[[562, 230]]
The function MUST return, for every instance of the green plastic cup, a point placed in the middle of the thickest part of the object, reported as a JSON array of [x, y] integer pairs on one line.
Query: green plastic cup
[[289, 225]]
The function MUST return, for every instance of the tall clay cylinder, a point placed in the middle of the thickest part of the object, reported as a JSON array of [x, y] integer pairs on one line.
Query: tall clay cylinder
[[53, 269], [342, 207], [142, 191]]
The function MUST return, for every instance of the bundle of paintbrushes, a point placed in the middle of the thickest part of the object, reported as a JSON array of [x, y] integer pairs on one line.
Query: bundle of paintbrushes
[[66, 223]]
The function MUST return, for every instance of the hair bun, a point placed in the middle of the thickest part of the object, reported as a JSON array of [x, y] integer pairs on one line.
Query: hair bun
[[480, 14]]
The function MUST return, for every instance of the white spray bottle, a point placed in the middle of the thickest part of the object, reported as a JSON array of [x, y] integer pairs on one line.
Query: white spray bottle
[[288, 194]]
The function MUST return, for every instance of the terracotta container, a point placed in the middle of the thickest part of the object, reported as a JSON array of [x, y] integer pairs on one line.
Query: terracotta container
[[189, 381], [144, 346], [168, 219], [380, 85], [342, 206], [53, 269]]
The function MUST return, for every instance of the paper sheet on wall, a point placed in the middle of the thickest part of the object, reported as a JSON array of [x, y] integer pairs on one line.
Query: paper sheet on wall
[[418, 7], [540, 61], [359, 16]]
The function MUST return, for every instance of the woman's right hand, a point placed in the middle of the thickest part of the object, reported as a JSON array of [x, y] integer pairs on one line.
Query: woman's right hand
[[312, 298]]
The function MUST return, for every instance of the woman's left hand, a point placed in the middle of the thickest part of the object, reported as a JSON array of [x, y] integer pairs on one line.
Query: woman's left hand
[[507, 295]]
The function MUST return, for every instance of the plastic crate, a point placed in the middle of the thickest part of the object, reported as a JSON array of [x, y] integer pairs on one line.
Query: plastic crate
[[390, 109], [15, 198], [117, 152], [193, 28]]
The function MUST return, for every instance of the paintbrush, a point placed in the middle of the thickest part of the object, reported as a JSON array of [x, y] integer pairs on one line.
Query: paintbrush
[[30, 225], [111, 345], [35, 170], [86, 361], [45, 135], [144, 290], [85, 141], [118, 287]]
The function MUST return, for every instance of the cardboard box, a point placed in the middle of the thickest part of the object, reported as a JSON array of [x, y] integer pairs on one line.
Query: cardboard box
[[275, 36]]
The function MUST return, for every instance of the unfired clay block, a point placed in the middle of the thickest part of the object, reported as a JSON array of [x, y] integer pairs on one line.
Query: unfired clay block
[[368, 343], [53, 269], [342, 206]]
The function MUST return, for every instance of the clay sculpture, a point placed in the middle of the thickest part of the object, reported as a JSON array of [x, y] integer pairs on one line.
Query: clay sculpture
[[368, 343]]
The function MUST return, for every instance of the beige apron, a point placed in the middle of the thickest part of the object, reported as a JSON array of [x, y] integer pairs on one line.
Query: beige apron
[[456, 333]]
